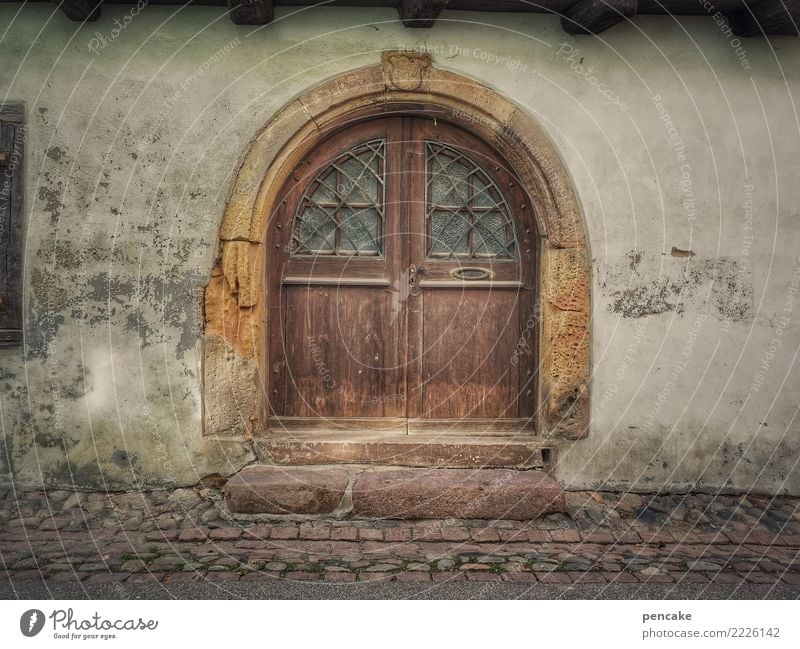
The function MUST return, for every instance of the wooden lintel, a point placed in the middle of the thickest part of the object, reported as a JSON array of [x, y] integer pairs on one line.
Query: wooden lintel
[[80, 10], [251, 12], [421, 13], [595, 16], [768, 17]]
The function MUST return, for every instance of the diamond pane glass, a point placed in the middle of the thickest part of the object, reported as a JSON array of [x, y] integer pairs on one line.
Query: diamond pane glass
[[449, 182], [449, 233], [489, 234], [359, 181], [317, 230], [482, 193], [326, 192], [468, 216], [359, 230], [341, 211]]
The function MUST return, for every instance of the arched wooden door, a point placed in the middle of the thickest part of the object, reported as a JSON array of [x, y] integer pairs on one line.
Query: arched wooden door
[[402, 296]]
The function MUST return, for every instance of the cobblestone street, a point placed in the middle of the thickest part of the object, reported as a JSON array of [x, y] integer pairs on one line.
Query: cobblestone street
[[185, 535]]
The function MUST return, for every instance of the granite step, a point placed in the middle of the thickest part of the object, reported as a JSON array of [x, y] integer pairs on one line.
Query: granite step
[[387, 492]]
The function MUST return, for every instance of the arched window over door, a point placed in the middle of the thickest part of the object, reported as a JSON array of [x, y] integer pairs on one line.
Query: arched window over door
[[403, 292]]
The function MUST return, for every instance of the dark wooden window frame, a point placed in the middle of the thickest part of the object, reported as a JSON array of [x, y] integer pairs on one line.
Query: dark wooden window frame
[[12, 150]]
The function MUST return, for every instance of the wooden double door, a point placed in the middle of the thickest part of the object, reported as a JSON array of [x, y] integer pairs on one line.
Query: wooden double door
[[401, 285]]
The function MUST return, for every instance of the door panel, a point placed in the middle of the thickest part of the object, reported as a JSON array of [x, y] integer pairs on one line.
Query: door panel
[[468, 342], [343, 353]]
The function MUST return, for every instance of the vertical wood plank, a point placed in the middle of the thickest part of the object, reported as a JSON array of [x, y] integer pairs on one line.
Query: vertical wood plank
[[470, 337]]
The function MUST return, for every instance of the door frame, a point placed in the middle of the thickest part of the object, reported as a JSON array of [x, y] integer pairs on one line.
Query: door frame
[[235, 363]]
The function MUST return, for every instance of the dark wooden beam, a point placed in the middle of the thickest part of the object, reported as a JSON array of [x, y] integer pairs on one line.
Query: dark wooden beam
[[770, 17], [595, 16], [80, 10], [421, 13], [251, 12]]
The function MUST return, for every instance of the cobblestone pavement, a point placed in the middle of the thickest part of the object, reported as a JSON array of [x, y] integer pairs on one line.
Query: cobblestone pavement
[[184, 535]]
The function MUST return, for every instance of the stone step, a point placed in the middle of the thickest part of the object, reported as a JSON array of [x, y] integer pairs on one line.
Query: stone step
[[268, 489], [442, 451], [382, 492]]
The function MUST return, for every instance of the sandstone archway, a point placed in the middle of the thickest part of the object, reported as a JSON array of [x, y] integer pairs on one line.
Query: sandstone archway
[[235, 359]]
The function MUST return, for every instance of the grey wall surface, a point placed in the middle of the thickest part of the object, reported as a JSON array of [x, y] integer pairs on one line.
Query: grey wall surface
[[683, 153]]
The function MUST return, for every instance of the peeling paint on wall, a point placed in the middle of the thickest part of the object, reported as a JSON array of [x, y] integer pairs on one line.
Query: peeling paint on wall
[[658, 287]]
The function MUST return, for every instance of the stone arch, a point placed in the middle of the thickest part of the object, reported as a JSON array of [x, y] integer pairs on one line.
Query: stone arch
[[235, 355]]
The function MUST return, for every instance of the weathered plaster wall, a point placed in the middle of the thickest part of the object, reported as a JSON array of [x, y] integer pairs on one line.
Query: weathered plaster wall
[[131, 152]]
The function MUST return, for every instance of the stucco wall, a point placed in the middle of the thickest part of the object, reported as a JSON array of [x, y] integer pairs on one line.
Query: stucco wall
[[132, 146]]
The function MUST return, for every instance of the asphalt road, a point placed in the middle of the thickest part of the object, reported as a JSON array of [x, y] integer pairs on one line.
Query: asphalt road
[[288, 590]]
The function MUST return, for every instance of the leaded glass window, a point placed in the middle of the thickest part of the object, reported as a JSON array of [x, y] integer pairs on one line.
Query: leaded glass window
[[467, 215], [342, 209]]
